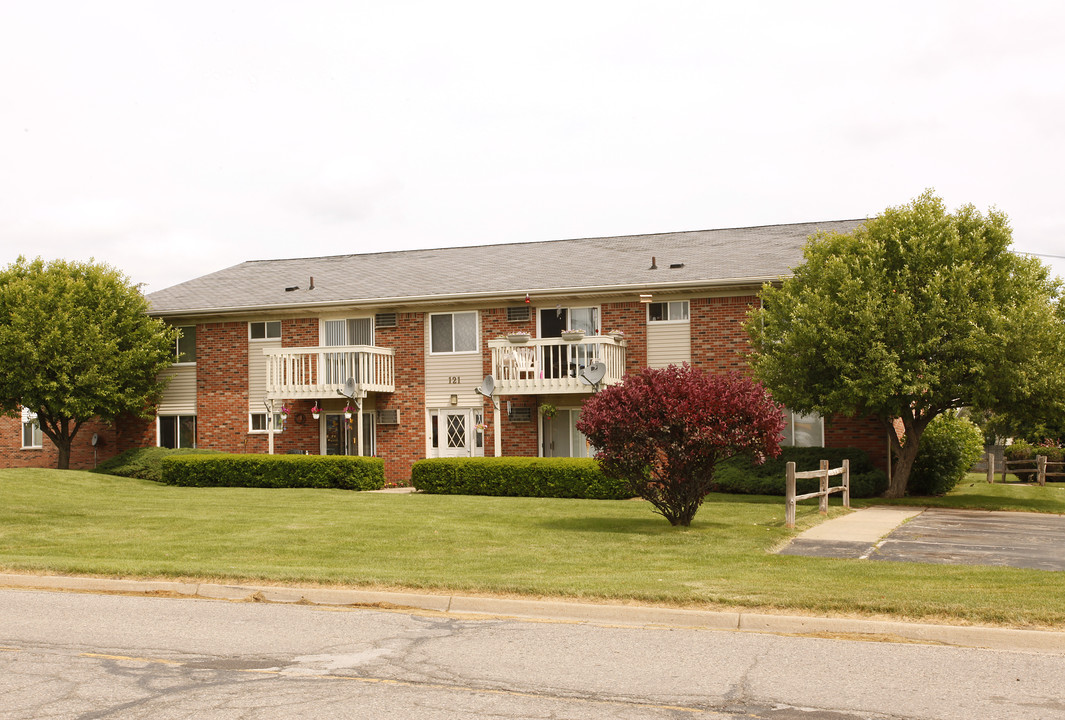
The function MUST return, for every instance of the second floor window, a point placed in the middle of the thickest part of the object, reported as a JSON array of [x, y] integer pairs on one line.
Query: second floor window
[[185, 348], [264, 330], [453, 332], [676, 311]]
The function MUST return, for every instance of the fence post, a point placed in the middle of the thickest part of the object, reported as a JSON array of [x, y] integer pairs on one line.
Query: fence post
[[846, 483], [1041, 468], [1005, 466], [789, 495], [823, 504], [990, 468]]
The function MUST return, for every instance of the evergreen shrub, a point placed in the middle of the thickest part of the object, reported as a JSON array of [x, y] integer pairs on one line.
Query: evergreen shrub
[[144, 463], [741, 476], [517, 477], [950, 446], [275, 471]]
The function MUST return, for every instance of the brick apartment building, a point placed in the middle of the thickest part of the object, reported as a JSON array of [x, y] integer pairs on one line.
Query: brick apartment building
[[386, 354]]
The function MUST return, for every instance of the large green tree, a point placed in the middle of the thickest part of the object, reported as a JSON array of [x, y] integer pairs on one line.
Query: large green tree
[[916, 311], [76, 342]]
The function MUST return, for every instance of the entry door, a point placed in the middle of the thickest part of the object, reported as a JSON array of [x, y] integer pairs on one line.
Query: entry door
[[455, 432], [340, 435]]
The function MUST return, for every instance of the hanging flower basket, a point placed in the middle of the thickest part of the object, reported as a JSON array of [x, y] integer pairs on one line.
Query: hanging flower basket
[[572, 335], [284, 413], [347, 412], [316, 411], [518, 337]]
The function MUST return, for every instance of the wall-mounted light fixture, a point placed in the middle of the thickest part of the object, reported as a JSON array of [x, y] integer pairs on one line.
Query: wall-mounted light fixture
[[454, 399]]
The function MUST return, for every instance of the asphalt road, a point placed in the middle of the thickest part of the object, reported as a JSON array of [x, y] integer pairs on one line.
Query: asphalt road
[[66, 655]]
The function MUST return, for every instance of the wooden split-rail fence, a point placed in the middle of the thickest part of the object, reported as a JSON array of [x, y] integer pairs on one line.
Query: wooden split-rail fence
[[1040, 467], [823, 474]]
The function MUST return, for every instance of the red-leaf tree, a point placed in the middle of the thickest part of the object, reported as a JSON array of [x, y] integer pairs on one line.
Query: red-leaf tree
[[664, 430]]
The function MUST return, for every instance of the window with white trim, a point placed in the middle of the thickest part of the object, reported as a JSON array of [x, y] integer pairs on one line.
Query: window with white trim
[[673, 311], [266, 330], [453, 332], [803, 430], [257, 422], [185, 346], [32, 437], [177, 431]]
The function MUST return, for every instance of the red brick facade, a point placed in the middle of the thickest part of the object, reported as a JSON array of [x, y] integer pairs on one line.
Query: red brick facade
[[718, 343], [718, 339], [400, 445]]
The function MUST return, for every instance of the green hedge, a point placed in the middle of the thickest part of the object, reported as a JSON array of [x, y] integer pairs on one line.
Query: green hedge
[[143, 463], [949, 446], [275, 471], [743, 477], [517, 477]]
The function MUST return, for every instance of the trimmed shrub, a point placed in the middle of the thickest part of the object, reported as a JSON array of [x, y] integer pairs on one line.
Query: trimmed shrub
[[950, 445], [143, 463], [743, 477], [517, 477], [275, 471]]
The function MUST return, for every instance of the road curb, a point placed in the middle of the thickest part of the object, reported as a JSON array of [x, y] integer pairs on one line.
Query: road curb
[[1044, 641]]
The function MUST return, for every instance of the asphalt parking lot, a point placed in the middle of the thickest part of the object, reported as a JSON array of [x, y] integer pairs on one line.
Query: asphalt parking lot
[[956, 537]]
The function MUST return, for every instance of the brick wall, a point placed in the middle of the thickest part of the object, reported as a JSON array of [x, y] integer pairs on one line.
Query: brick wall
[[222, 386], [12, 455], [630, 318], [866, 433], [400, 445], [717, 336]]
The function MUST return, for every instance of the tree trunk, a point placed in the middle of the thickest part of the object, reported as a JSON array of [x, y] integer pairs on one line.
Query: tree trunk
[[63, 453], [900, 473]]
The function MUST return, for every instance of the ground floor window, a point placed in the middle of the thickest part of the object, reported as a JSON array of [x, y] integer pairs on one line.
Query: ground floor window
[[560, 435], [177, 431], [803, 430], [257, 422], [341, 436], [32, 437]]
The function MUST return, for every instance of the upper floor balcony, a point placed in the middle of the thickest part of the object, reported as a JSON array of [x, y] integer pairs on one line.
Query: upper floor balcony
[[321, 372], [554, 365]]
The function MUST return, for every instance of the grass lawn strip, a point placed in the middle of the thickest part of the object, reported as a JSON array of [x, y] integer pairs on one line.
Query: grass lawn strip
[[81, 523]]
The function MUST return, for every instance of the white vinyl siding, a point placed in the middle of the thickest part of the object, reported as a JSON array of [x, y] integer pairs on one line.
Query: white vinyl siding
[[668, 344], [179, 398], [447, 375], [257, 364]]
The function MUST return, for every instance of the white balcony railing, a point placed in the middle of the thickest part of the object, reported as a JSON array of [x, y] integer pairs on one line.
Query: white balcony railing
[[319, 372], [553, 365]]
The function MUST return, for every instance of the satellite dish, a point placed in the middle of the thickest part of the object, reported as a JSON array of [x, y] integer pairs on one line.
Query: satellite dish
[[593, 374], [488, 386], [95, 439], [349, 388]]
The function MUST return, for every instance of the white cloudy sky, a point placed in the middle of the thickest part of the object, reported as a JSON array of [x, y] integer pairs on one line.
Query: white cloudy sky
[[172, 139]]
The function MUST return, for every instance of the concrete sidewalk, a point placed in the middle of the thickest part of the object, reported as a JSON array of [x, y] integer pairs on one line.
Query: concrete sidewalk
[[1042, 641], [851, 536]]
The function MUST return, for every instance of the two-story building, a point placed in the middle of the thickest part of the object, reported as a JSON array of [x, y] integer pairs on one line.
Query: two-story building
[[387, 354]]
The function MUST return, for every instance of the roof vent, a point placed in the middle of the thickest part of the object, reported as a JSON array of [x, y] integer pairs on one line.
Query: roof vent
[[674, 266], [654, 265], [291, 288]]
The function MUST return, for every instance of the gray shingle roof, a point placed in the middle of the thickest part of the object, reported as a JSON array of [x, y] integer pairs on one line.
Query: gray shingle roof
[[610, 264]]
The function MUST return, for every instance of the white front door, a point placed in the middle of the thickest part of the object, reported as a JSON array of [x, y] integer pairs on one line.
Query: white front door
[[454, 433]]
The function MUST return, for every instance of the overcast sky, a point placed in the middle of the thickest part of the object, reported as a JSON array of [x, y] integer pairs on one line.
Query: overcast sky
[[173, 139]]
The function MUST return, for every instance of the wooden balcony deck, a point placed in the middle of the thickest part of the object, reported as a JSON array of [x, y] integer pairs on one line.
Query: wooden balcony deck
[[320, 372], [553, 365]]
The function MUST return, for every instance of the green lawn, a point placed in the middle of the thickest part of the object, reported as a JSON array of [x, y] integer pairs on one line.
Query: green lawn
[[974, 493], [75, 522]]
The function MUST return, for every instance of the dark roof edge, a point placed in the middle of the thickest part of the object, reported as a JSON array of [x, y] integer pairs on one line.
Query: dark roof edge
[[462, 297]]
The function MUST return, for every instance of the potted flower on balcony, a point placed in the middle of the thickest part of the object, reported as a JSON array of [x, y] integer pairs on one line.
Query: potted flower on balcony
[[617, 334], [316, 411], [572, 335], [518, 336]]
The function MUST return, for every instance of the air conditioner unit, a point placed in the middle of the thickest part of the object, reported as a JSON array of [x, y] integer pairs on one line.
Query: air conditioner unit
[[388, 417]]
